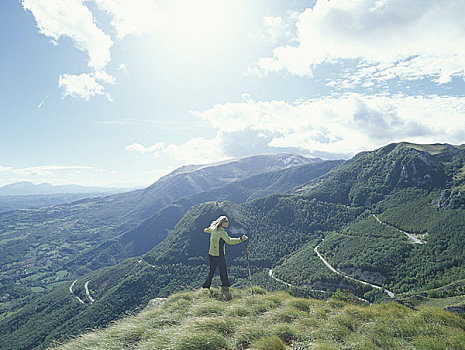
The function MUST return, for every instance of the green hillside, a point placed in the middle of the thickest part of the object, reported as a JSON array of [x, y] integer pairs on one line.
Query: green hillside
[[276, 225], [368, 177], [274, 321], [153, 230], [43, 248], [393, 217]]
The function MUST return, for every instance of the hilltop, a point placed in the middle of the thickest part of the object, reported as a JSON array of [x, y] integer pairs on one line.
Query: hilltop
[[274, 321]]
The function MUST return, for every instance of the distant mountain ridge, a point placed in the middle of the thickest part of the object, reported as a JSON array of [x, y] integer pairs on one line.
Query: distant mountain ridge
[[28, 188], [356, 212], [153, 230], [71, 230], [193, 179]]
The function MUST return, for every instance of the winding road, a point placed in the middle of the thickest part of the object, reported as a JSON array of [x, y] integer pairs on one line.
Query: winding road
[[270, 273], [72, 293], [87, 292], [412, 238], [391, 294]]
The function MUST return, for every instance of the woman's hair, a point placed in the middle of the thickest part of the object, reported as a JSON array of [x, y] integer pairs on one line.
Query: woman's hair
[[217, 223]]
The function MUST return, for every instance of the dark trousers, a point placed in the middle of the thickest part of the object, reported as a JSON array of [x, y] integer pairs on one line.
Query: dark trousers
[[220, 262]]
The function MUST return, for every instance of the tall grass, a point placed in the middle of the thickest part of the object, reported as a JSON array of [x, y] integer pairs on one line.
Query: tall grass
[[268, 321]]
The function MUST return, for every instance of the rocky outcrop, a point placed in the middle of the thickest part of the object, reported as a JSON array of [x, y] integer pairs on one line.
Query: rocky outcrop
[[450, 199]]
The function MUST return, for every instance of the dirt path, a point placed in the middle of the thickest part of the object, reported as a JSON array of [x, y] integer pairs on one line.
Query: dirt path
[[391, 294], [72, 293], [142, 260], [270, 273], [413, 238], [88, 293]]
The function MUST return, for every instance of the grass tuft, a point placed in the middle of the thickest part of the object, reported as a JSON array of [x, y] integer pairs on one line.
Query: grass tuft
[[269, 343], [258, 290], [201, 341], [301, 304], [209, 308], [224, 326]]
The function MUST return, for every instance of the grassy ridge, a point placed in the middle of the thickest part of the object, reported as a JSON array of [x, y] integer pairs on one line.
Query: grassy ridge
[[203, 320]]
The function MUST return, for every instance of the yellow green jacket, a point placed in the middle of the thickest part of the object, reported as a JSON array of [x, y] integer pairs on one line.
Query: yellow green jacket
[[216, 236]]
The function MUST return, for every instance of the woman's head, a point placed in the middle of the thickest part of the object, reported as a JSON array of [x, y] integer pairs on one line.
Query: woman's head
[[221, 221]]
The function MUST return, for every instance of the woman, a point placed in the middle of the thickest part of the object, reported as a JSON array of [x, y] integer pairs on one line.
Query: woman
[[218, 237]]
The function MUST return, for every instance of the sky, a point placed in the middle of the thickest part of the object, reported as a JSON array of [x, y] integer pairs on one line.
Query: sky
[[121, 92]]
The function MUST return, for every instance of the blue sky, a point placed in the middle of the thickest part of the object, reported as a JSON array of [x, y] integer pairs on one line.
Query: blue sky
[[120, 92]]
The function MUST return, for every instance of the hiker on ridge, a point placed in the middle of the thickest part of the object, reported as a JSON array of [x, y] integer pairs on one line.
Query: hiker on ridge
[[218, 237]]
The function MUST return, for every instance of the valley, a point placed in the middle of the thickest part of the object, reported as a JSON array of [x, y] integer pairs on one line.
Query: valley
[[379, 225], [46, 247]]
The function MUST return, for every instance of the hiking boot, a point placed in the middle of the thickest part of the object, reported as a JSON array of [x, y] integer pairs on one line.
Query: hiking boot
[[226, 293]]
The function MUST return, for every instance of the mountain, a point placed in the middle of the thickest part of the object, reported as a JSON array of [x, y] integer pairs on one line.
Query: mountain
[[393, 217], [195, 179], [368, 177], [275, 321], [153, 230], [42, 248], [27, 188]]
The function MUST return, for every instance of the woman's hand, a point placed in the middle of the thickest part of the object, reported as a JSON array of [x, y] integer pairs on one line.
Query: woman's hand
[[244, 237]]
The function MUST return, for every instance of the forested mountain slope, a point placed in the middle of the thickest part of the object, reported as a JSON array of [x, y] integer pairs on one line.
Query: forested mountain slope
[[153, 230], [179, 261], [40, 248], [365, 212], [367, 178]]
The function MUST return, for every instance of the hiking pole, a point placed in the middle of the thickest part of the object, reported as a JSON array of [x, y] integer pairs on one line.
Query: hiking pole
[[248, 265]]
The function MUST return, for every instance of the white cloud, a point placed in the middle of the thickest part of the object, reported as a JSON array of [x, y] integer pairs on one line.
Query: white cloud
[[335, 126], [4, 168], [393, 38], [123, 68], [71, 18], [340, 124], [329, 127], [133, 17], [195, 151], [275, 28], [152, 149], [85, 85]]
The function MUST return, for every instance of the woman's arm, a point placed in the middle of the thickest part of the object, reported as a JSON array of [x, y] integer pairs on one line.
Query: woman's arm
[[230, 240]]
